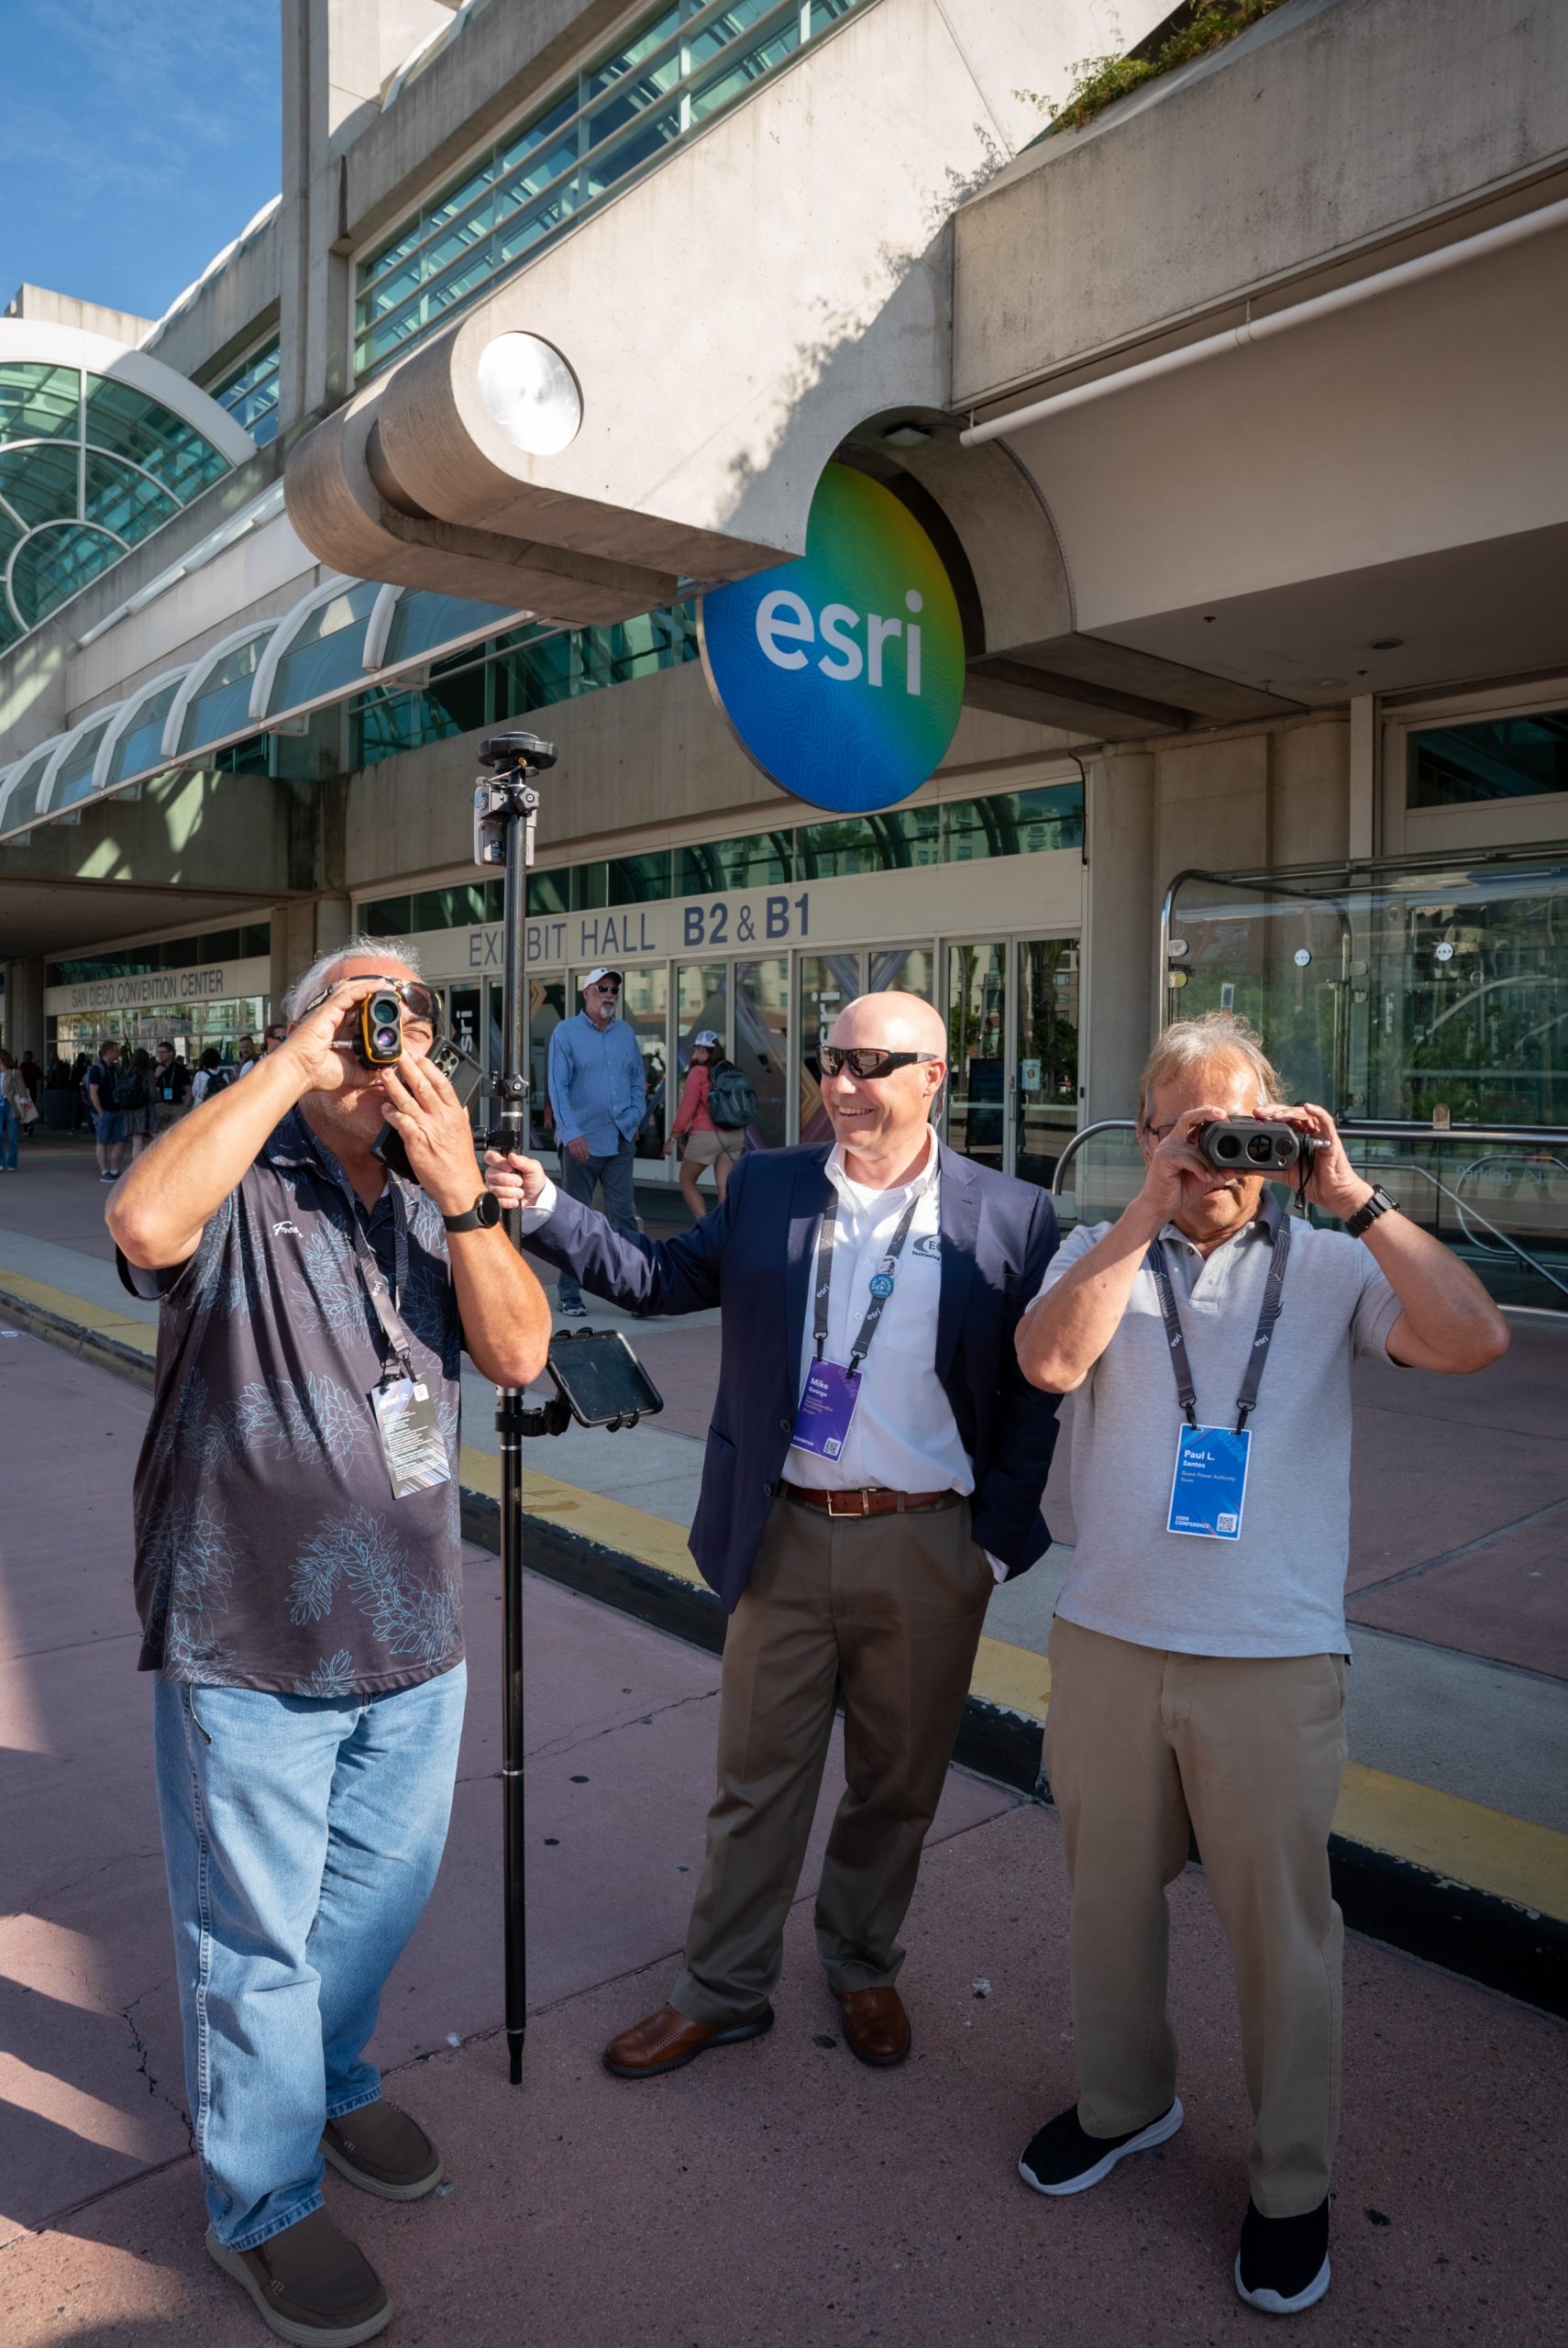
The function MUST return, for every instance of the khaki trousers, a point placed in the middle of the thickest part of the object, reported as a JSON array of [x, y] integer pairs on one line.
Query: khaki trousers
[[886, 1609], [1140, 1747]]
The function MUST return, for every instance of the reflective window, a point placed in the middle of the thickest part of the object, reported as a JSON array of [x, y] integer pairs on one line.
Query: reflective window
[[709, 867], [1501, 758], [327, 654], [249, 391], [888, 842], [140, 747], [88, 467], [685, 62], [762, 1022], [420, 621], [74, 776], [1013, 823], [169, 954], [221, 705]]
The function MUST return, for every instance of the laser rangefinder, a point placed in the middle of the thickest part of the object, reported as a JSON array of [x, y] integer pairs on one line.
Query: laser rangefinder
[[380, 1029], [1255, 1146]]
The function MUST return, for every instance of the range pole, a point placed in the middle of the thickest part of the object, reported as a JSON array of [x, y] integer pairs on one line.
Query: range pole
[[505, 808]]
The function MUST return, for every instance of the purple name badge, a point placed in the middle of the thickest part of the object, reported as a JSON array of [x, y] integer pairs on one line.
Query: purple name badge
[[827, 1406]]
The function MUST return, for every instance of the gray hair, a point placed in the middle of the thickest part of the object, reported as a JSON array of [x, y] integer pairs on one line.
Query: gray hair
[[314, 981], [1199, 1043]]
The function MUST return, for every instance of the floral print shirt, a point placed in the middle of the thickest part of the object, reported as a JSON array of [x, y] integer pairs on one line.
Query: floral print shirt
[[269, 1551]]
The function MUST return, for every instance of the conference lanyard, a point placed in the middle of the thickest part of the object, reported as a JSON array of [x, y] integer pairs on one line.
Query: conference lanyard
[[882, 1279], [384, 1305], [1257, 1359]]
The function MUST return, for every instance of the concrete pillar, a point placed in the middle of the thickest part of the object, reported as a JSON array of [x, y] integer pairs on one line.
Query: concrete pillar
[[22, 1008], [1120, 939]]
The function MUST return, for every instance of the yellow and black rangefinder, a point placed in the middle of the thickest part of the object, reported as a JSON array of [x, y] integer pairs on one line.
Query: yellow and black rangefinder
[[380, 1029]]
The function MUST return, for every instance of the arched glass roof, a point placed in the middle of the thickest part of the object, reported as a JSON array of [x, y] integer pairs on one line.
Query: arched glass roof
[[318, 652], [89, 466], [342, 636]]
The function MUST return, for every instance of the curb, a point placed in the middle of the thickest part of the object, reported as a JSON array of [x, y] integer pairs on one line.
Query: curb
[[1487, 1939]]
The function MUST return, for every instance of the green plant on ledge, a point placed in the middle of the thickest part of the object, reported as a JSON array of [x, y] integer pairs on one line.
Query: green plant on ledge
[[1101, 81]]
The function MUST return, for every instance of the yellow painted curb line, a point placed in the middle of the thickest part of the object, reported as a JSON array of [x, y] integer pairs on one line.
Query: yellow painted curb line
[[1461, 1842], [95, 1319]]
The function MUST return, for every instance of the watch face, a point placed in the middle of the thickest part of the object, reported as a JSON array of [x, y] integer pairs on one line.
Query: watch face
[[488, 1209]]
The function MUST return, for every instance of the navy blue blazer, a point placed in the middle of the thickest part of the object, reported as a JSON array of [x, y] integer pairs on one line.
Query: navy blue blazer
[[753, 1257]]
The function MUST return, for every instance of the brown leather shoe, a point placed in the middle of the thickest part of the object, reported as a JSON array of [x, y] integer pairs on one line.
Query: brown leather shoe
[[311, 2286], [666, 2040], [876, 2027], [382, 2150]]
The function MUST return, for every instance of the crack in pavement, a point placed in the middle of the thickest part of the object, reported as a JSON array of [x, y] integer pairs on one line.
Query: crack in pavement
[[141, 2050], [35, 1900], [576, 1743]]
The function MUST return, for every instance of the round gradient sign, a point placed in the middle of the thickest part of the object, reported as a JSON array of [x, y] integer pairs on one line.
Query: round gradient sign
[[842, 674]]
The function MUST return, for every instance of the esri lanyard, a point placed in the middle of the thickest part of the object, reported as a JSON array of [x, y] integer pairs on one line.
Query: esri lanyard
[[413, 1448], [882, 1280], [1257, 1359]]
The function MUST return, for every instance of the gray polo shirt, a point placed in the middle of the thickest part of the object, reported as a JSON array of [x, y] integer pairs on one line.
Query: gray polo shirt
[[271, 1552], [1279, 1588]]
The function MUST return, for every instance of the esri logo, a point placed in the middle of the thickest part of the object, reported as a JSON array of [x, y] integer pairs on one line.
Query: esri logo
[[843, 673]]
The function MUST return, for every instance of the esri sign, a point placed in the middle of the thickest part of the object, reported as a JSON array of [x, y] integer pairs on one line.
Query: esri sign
[[842, 674]]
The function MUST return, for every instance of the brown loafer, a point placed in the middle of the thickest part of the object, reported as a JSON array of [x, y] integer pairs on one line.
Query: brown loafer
[[382, 2150], [311, 2286], [667, 2039], [876, 2027]]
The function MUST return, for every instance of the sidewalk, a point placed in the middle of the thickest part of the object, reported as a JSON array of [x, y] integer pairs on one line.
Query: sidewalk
[[775, 2195], [1459, 1698]]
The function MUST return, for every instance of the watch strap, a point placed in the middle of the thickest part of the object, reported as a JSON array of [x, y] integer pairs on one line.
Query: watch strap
[[1382, 1201], [475, 1218]]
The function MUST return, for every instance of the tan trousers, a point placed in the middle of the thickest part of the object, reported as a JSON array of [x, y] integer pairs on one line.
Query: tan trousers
[[887, 1611], [1141, 1745]]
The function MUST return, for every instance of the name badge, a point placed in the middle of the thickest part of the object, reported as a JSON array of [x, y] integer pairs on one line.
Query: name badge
[[1209, 1487], [827, 1406], [413, 1445]]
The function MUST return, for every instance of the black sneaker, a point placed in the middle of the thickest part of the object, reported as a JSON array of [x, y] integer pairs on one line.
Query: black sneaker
[[1062, 2159], [572, 1311], [1282, 2264]]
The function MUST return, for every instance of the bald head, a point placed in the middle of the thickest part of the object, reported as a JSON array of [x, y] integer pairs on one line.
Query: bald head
[[898, 1023], [881, 1122]]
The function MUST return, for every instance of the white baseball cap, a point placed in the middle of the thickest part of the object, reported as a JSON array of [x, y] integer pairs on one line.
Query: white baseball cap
[[599, 971], [703, 1035]]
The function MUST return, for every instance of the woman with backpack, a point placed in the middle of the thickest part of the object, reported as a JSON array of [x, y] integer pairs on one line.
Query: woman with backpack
[[712, 1118], [210, 1076]]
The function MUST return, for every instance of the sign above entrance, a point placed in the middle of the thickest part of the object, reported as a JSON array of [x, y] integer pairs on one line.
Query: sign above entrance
[[842, 674]]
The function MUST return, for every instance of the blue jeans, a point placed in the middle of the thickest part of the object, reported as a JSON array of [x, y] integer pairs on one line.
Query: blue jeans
[[10, 1132], [302, 1835], [578, 1177]]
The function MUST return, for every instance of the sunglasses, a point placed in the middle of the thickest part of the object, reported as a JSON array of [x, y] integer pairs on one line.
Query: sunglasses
[[867, 1063], [415, 998]]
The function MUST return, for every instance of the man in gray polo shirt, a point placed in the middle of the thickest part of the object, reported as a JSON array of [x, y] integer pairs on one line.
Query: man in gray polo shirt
[[1198, 1656]]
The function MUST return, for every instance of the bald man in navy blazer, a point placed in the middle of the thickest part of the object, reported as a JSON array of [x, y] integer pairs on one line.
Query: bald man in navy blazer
[[874, 1467]]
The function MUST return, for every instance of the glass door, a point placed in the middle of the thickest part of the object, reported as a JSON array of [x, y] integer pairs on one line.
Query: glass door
[[1013, 1043], [1045, 1093]]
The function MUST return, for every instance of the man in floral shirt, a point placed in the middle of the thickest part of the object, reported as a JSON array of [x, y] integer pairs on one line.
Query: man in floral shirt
[[298, 1578]]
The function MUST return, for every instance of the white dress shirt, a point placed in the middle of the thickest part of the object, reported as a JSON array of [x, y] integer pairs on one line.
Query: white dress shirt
[[904, 1436]]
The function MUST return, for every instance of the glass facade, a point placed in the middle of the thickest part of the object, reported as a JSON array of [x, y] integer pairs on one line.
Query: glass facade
[[529, 668], [89, 467], [169, 954], [249, 391], [1500, 758], [686, 61], [1036, 821]]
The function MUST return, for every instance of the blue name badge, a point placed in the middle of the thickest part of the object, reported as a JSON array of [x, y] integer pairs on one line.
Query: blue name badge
[[827, 1406], [1209, 1486]]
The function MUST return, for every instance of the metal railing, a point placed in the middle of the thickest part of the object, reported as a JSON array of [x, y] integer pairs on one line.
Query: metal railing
[[1548, 1145]]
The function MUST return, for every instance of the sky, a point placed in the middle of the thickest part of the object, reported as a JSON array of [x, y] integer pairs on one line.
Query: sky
[[137, 137]]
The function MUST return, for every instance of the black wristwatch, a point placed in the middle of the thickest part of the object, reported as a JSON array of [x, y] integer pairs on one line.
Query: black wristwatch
[[483, 1215], [1382, 1201]]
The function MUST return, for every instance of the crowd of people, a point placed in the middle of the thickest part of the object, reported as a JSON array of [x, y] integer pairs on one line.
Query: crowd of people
[[125, 1095]]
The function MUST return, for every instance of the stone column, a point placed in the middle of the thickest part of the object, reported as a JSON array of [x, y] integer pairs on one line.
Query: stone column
[[22, 1008], [1119, 931]]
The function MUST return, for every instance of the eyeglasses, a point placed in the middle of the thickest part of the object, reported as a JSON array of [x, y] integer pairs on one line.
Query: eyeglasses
[[606, 986], [867, 1063]]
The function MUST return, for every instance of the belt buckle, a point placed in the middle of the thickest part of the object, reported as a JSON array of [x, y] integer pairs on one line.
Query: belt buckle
[[861, 1495]]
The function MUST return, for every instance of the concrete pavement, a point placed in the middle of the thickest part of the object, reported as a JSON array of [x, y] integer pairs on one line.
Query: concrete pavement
[[772, 2195]]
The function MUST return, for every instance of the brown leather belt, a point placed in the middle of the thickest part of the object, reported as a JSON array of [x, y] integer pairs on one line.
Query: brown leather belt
[[870, 1499]]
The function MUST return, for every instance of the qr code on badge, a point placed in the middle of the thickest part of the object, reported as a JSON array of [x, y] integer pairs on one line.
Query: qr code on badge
[[832, 1447], [1226, 1523]]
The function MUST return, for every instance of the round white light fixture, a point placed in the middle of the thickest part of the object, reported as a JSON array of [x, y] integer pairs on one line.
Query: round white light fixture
[[529, 393]]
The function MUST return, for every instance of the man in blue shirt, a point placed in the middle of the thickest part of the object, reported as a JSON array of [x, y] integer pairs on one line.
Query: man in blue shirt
[[599, 1095]]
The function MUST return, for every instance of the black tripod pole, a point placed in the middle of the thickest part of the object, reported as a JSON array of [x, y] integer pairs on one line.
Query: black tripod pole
[[504, 813]]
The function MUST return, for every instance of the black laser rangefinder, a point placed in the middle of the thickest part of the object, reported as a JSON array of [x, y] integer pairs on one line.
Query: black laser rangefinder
[[381, 1030], [1255, 1146]]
